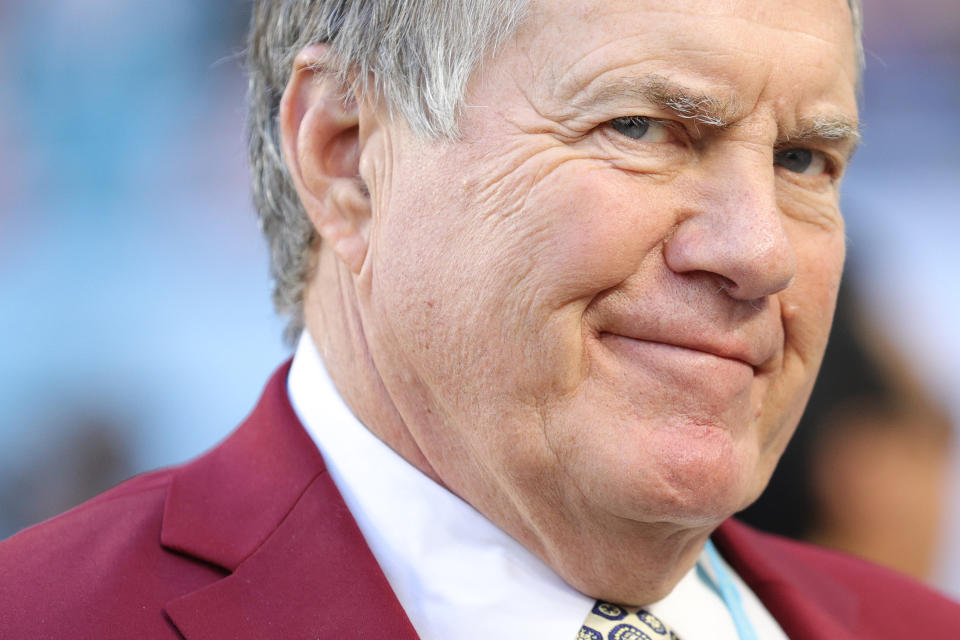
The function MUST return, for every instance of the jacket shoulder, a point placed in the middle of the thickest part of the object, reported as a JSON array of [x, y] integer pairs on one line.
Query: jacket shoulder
[[873, 599], [97, 570]]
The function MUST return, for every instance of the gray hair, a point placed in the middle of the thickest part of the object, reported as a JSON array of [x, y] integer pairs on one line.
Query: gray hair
[[418, 55]]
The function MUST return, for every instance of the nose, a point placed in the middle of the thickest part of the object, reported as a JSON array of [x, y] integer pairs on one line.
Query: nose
[[733, 228]]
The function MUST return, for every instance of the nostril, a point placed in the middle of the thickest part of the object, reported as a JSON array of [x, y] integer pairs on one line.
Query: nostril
[[724, 284]]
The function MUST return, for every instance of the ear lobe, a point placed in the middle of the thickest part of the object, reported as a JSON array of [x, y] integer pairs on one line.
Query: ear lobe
[[320, 130]]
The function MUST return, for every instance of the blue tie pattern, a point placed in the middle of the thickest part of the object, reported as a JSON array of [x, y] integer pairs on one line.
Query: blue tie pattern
[[613, 622]]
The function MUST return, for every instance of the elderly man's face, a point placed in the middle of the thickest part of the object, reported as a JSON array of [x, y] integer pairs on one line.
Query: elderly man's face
[[606, 304]]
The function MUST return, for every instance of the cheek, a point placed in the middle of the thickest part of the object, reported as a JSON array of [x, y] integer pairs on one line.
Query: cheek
[[581, 229], [490, 279], [807, 312], [810, 303], [594, 226]]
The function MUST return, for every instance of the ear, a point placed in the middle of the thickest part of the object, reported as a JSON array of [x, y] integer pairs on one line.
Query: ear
[[319, 126]]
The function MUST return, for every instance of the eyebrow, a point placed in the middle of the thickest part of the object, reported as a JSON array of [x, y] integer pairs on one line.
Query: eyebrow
[[716, 112], [655, 89], [825, 129]]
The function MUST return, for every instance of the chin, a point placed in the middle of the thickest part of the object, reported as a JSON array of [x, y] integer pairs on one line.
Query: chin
[[695, 476]]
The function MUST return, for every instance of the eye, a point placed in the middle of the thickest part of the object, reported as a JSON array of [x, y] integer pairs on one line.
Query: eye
[[808, 162], [641, 128]]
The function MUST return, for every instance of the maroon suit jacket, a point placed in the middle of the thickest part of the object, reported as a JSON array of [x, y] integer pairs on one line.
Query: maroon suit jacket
[[252, 540]]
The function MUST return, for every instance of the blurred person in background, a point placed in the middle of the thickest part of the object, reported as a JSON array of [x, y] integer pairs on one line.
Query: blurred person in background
[[553, 408], [880, 479]]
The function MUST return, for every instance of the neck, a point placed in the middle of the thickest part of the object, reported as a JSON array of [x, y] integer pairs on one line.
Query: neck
[[332, 317]]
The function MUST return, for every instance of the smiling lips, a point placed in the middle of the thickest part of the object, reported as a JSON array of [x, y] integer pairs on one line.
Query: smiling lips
[[755, 355]]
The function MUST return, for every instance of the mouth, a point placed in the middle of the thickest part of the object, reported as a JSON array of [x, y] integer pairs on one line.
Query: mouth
[[699, 387], [729, 350]]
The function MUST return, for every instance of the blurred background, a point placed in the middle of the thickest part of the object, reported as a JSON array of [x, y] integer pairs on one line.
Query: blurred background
[[136, 328], [135, 319]]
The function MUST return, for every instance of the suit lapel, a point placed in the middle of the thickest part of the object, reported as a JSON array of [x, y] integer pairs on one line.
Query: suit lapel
[[262, 506], [806, 604]]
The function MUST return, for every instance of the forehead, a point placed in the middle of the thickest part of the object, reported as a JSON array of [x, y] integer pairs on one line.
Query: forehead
[[779, 51]]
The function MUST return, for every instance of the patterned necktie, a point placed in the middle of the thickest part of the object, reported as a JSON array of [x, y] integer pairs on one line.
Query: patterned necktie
[[613, 622]]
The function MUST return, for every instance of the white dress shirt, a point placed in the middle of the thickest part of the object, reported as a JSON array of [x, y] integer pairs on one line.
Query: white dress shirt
[[454, 572]]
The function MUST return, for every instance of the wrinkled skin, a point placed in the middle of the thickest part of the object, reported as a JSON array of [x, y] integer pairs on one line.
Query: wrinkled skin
[[600, 336]]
